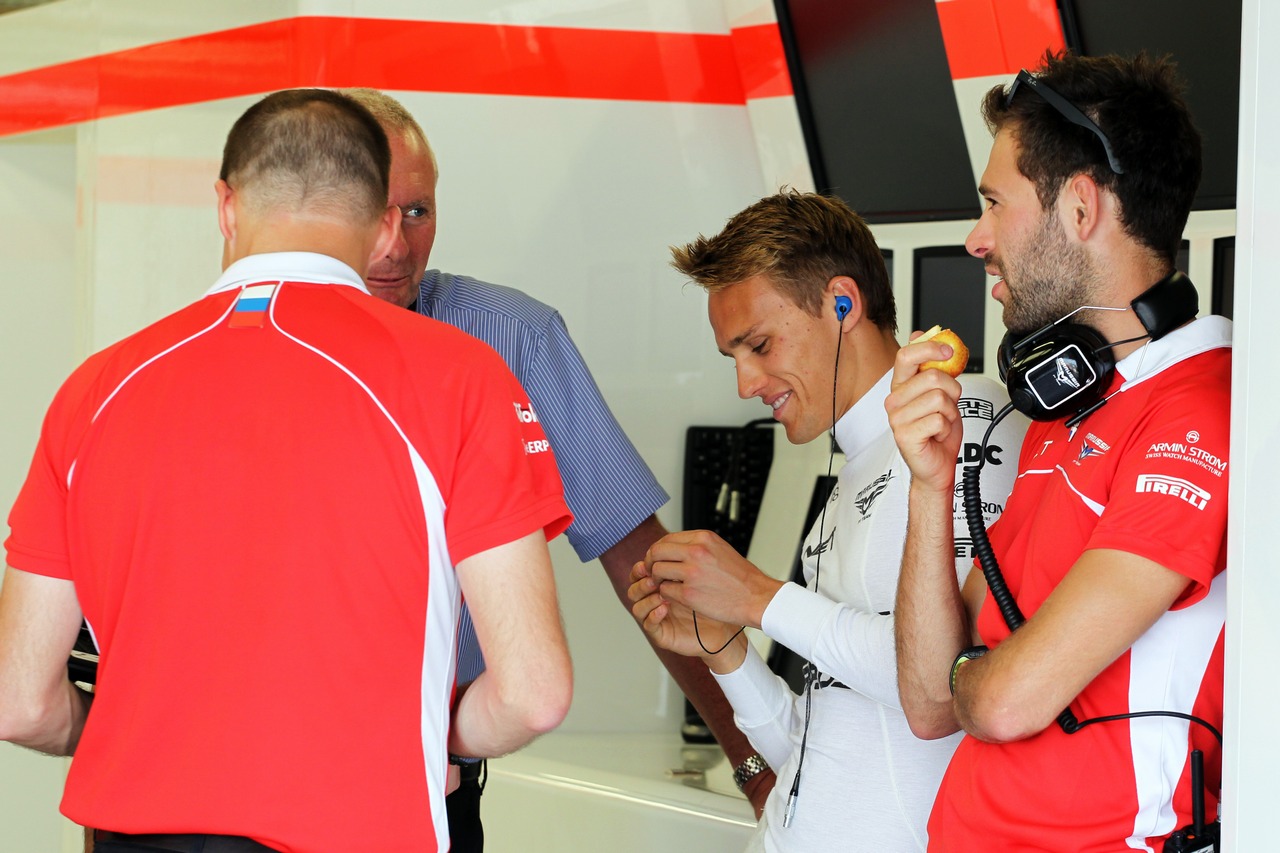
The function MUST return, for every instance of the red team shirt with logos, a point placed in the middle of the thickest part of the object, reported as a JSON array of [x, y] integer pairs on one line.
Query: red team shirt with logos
[[1145, 474], [261, 505]]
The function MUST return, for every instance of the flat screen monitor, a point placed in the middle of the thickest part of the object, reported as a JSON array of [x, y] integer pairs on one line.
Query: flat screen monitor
[[1224, 276], [1204, 39], [878, 107], [951, 291]]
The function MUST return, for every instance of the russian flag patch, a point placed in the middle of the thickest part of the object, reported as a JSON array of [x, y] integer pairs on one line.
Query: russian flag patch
[[251, 306]]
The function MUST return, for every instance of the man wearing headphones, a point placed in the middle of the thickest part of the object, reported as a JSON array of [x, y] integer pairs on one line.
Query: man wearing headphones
[[1113, 541], [800, 300], [615, 524]]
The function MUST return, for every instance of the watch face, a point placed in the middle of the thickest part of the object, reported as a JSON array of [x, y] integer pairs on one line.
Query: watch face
[[971, 653]]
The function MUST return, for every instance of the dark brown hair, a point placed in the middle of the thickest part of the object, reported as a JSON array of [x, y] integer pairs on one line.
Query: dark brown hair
[[1138, 104]]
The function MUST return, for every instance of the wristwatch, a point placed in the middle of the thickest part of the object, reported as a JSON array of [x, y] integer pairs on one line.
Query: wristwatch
[[971, 653], [751, 767]]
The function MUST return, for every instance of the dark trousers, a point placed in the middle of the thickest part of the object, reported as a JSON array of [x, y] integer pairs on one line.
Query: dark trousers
[[466, 833], [119, 842]]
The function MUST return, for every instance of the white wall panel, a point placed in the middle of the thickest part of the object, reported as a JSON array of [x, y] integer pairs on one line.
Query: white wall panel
[[703, 16], [75, 29], [1253, 585], [153, 242], [40, 343]]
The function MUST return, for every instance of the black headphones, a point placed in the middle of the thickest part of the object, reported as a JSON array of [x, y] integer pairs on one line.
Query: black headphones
[[1065, 368]]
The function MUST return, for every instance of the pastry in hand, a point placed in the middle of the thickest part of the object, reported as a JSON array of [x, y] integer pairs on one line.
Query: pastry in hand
[[953, 366]]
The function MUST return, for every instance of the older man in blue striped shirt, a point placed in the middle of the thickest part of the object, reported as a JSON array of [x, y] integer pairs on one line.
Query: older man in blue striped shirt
[[615, 525]]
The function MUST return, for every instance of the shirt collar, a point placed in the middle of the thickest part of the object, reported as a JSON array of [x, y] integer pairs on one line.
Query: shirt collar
[[865, 420], [1207, 333], [287, 266]]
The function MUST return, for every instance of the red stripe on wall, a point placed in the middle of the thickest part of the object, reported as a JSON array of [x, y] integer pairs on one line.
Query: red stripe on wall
[[990, 37], [424, 56], [761, 60]]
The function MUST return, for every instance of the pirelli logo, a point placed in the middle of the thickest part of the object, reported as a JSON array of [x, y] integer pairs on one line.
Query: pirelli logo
[[1174, 487]]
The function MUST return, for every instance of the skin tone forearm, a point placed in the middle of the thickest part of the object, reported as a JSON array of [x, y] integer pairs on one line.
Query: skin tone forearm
[[931, 623], [689, 673], [39, 707], [527, 685], [63, 724]]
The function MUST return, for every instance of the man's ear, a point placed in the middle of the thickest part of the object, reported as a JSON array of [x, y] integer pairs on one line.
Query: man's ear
[[388, 233], [1082, 201], [226, 210], [838, 289]]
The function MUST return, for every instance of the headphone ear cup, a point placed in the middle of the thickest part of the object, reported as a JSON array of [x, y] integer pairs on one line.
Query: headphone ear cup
[[1058, 374]]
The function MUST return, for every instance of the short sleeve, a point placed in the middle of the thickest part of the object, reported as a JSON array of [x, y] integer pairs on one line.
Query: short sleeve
[[38, 540], [505, 484]]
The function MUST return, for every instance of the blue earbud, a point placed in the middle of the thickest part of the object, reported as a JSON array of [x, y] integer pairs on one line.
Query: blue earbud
[[843, 306]]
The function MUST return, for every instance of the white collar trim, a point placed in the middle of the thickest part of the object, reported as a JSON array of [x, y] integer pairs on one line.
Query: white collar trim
[[1199, 336], [866, 419], [287, 266]]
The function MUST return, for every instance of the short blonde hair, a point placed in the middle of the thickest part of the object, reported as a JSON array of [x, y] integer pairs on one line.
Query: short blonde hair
[[393, 117], [800, 241]]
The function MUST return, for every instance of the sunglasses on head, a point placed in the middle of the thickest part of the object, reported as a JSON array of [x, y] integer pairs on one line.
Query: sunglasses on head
[[1066, 109]]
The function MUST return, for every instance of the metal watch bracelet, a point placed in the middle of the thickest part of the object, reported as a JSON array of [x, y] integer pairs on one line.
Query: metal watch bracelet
[[752, 766]]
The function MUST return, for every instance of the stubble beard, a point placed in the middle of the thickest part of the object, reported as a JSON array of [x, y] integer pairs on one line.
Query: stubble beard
[[1050, 279]]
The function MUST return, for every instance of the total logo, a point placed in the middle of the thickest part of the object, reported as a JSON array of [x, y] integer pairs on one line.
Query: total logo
[[526, 415]]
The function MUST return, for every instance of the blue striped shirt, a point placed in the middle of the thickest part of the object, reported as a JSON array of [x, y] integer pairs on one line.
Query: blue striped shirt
[[606, 484]]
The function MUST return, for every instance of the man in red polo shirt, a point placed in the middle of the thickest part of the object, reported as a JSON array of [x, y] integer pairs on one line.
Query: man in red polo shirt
[[1113, 542], [268, 524]]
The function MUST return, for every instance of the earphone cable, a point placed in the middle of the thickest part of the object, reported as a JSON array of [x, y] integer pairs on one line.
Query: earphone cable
[[811, 676]]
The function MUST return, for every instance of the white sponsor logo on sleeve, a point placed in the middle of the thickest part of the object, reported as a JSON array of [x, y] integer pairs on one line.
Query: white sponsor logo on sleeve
[[1174, 487]]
